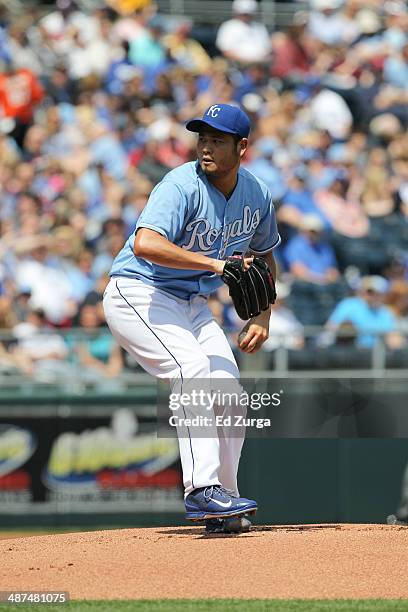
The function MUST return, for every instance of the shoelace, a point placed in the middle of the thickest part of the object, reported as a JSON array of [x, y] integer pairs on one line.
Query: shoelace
[[208, 492]]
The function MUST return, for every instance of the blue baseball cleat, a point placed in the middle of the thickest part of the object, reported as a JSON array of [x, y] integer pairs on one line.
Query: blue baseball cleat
[[216, 502]]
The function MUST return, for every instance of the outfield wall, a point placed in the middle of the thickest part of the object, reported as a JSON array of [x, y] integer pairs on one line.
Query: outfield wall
[[95, 458]]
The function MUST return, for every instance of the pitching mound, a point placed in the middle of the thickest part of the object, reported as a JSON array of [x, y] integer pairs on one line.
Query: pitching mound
[[309, 561]]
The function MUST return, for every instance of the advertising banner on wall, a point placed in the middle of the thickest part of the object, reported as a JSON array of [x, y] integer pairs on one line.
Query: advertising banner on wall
[[83, 460]]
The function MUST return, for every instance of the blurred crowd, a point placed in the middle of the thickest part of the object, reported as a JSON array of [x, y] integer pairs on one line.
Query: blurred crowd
[[92, 114]]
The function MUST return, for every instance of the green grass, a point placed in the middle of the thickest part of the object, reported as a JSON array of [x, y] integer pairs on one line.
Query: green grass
[[224, 605]]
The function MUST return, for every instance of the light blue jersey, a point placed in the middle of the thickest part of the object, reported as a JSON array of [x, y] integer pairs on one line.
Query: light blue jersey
[[191, 213]]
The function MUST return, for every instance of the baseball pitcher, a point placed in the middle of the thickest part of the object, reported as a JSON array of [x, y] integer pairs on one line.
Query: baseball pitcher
[[207, 222]]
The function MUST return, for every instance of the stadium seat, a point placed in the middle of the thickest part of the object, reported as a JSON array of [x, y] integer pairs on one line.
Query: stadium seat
[[312, 304]]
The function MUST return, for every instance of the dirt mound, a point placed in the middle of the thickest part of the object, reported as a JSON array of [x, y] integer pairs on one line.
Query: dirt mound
[[302, 561]]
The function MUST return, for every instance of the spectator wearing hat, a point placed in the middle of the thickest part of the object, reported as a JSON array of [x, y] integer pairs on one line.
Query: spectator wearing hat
[[368, 314], [328, 24], [243, 39], [309, 256], [40, 351]]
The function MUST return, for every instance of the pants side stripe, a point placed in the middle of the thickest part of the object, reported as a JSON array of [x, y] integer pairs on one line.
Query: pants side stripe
[[179, 366]]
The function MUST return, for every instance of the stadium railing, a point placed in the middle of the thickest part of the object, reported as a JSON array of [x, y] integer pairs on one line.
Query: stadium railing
[[216, 11], [320, 356], [213, 12]]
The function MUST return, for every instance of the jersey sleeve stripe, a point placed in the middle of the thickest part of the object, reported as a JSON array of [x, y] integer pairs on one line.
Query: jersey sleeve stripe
[[159, 230], [273, 246]]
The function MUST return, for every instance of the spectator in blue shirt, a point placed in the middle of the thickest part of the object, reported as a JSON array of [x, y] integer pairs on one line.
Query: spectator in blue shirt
[[298, 200], [396, 68], [368, 314], [148, 52], [263, 167], [309, 256], [119, 72]]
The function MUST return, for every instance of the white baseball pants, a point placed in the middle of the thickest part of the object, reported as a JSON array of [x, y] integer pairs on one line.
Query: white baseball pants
[[179, 340]]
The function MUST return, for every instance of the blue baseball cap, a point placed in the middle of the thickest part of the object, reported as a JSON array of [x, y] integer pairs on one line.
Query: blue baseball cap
[[223, 117]]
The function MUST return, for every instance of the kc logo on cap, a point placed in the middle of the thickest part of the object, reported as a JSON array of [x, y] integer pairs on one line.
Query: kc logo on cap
[[214, 110]]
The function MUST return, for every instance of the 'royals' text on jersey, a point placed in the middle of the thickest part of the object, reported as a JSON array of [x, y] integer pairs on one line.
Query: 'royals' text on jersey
[[189, 211]]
